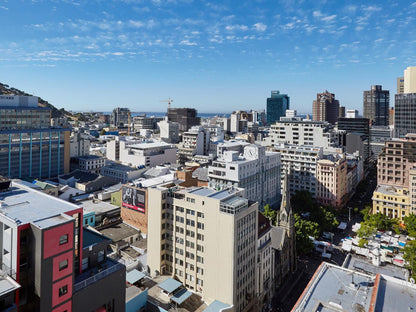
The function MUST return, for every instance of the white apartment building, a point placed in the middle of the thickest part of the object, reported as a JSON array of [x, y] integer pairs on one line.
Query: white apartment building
[[90, 163], [224, 123], [207, 239], [79, 144], [300, 162], [169, 131], [121, 173], [231, 145], [294, 130], [216, 133], [146, 154], [194, 142], [257, 171]]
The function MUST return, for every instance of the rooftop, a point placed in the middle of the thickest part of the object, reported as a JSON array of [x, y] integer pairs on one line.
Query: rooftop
[[7, 284], [25, 205], [90, 238], [119, 232], [334, 288], [150, 145], [97, 206]]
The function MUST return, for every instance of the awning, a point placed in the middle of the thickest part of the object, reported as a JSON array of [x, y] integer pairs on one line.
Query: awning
[[217, 306], [342, 226], [170, 285], [134, 276], [181, 296]]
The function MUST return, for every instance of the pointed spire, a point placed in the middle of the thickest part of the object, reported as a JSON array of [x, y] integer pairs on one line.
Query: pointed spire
[[286, 217]]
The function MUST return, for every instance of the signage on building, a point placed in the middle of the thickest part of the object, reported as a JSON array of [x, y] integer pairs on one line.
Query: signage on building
[[133, 198]]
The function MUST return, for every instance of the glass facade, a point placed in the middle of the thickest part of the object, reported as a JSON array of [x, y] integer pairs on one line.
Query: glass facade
[[33, 153], [277, 104], [24, 118], [376, 106]]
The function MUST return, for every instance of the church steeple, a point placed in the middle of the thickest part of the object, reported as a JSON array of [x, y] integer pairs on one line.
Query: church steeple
[[286, 218]]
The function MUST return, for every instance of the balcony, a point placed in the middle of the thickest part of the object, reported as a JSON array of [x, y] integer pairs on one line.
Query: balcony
[[95, 274]]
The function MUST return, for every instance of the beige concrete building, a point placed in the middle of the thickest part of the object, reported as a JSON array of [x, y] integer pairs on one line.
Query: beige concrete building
[[207, 239], [410, 80], [394, 162], [331, 180], [391, 201]]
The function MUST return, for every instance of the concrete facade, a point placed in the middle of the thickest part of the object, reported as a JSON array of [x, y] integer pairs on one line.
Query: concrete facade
[[257, 171], [207, 239]]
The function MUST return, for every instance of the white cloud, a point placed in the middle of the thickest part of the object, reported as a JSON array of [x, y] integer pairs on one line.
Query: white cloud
[[188, 43], [329, 18], [137, 24], [317, 14], [236, 27], [413, 5], [371, 8], [260, 27]]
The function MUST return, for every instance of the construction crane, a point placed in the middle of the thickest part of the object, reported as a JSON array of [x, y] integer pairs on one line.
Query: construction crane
[[169, 101]]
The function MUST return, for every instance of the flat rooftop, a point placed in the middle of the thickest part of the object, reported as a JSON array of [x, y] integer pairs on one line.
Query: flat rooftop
[[91, 238], [150, 145], [97, 206], [7, 284], [335, 288], [119, 232], [26, 205]]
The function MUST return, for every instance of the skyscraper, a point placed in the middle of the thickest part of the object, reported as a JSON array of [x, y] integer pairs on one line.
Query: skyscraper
[[326, 107], [405, 105], [277, 104], [376, 104]]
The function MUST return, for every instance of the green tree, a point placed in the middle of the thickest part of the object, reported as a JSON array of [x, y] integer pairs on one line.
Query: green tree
[[380, 221], [410, 224], [362, 242], [366, 212], [410, 256], [302, 201], [325, 218], [270, 213], [366, 230], [305, 229]]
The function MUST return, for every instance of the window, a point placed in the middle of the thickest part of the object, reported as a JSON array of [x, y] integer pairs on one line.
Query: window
[[63, 290], [101, 256], [63, 239], [63, 265], [84, 263]]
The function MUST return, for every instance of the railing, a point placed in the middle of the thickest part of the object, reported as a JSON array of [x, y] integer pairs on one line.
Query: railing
[[96, 277]]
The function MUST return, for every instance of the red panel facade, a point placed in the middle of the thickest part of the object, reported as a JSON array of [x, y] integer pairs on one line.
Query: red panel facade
[[58, 271], [66, 307], [51, 244], [61, 291]]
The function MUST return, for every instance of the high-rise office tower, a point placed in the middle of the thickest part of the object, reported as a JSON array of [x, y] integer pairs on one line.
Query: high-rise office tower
[[405, 105], [326, 107], [376, 104], [277, 104], [400, 85], [341, 113], [186, 117], [410, 80]]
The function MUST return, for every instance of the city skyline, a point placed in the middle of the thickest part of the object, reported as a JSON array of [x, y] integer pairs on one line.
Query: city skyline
[[95, 55]]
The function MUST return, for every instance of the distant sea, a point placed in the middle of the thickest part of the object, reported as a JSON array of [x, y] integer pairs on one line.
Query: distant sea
[[163, 114]]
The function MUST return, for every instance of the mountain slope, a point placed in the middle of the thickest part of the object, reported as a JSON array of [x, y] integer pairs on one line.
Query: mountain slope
[[56, 113]]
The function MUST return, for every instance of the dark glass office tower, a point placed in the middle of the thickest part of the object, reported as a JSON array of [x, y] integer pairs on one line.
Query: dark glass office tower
[[376, 104], [277, 104]]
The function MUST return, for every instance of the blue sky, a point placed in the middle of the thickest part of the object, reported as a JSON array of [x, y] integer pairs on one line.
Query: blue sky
[[216, 56]]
